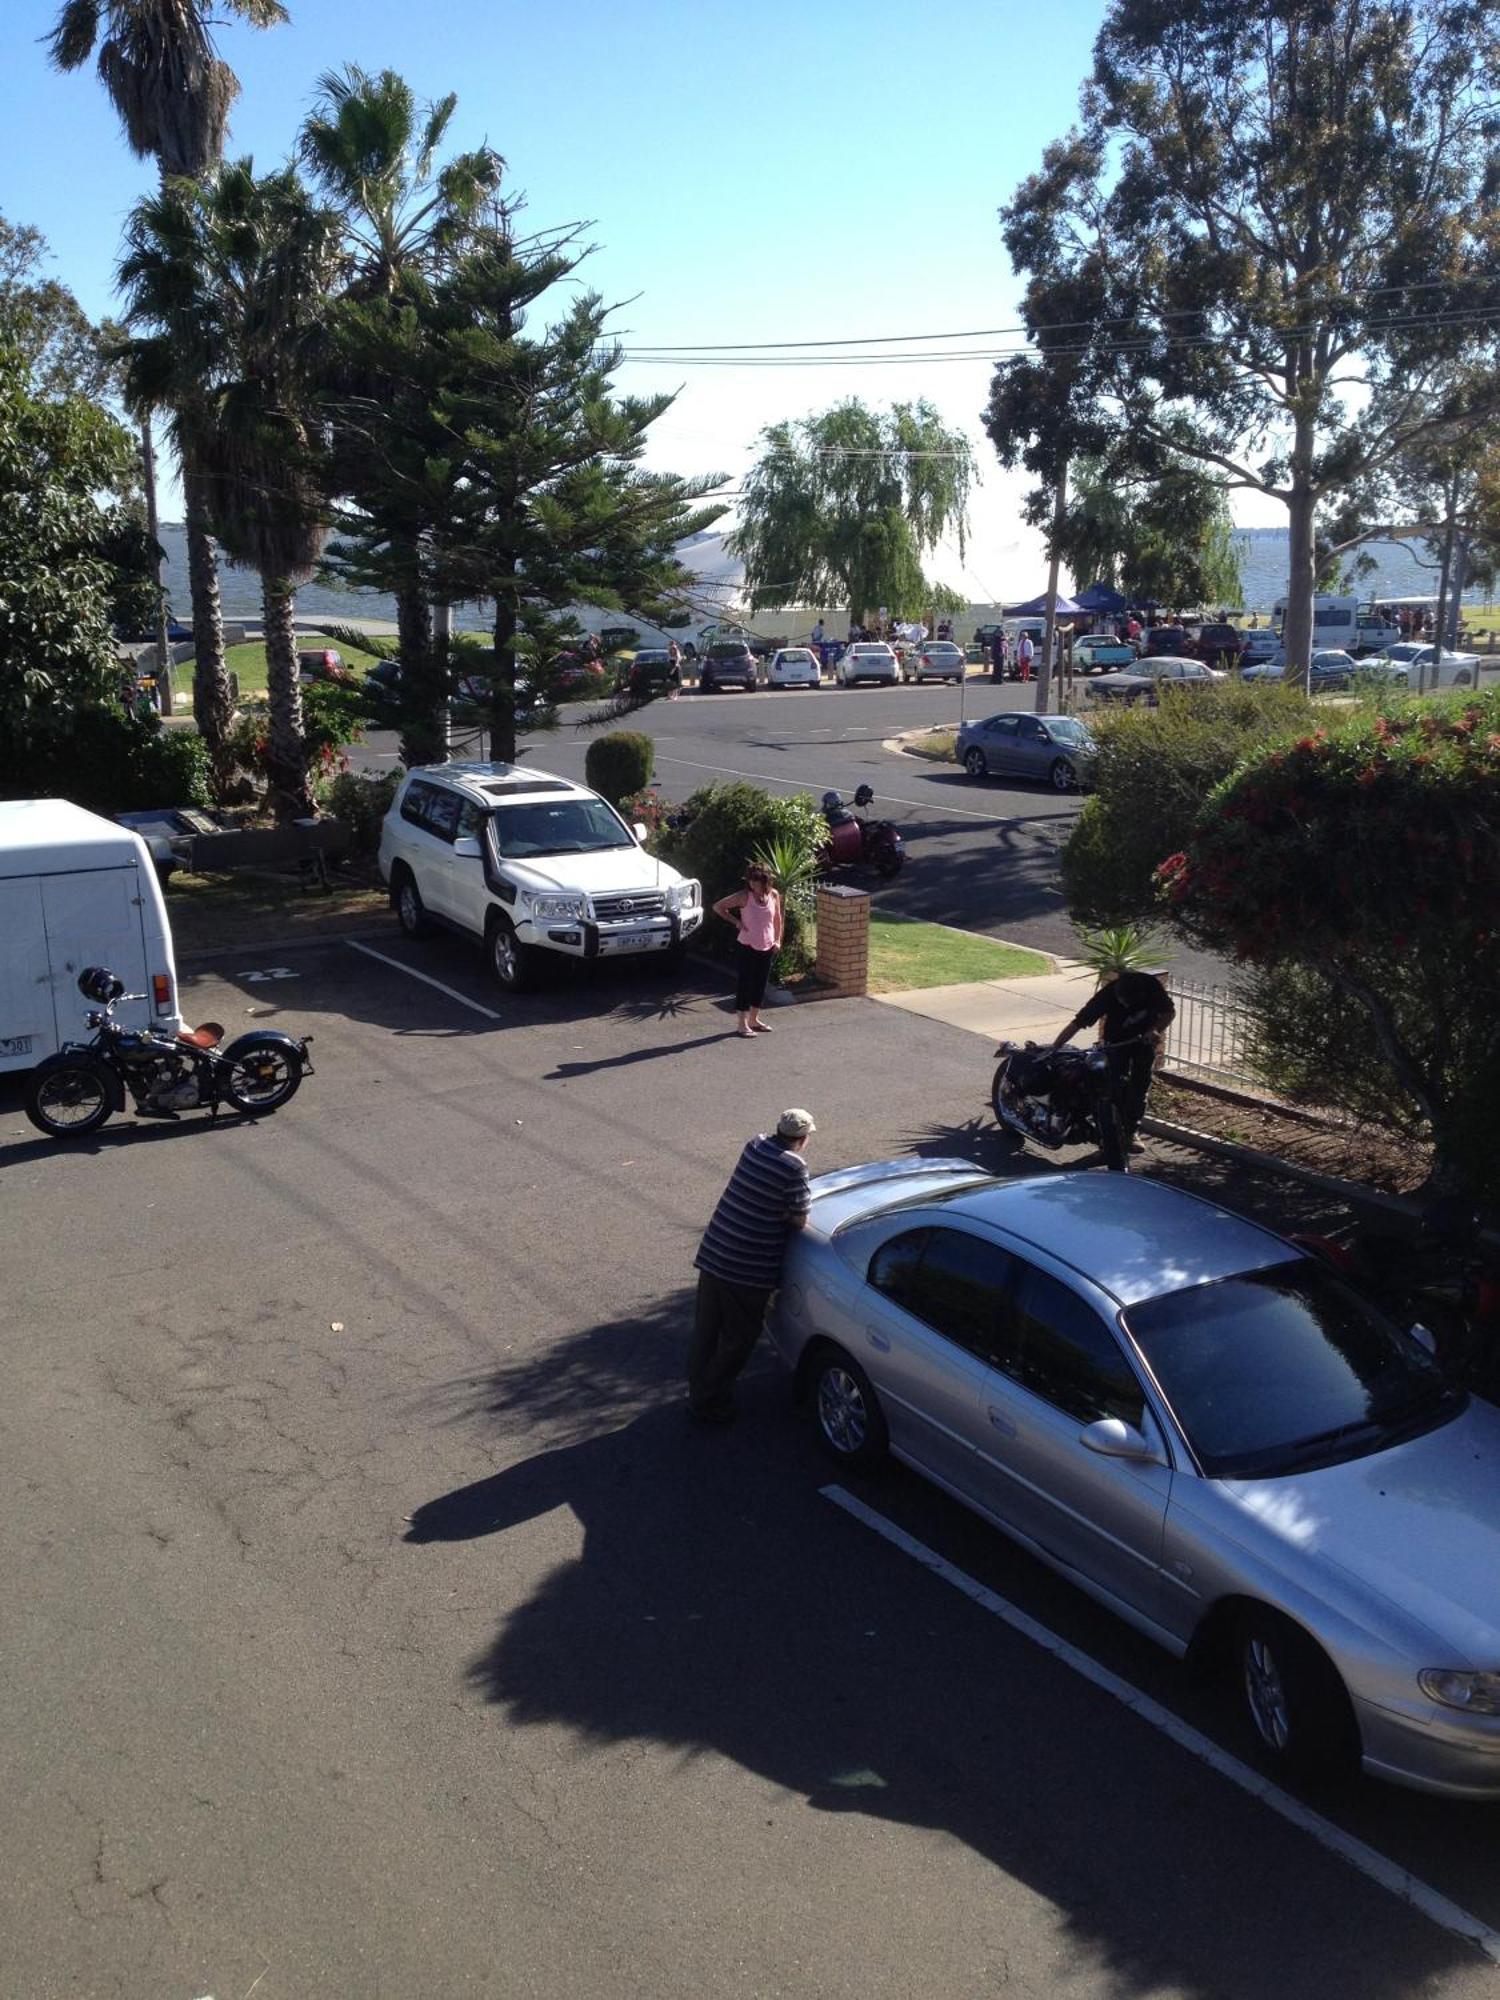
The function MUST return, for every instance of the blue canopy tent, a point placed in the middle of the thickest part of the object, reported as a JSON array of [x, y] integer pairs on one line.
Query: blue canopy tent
[[1100, 598], [1036, 607]]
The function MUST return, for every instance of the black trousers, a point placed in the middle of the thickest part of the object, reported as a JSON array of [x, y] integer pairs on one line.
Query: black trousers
[[726, 1325], [752, 970]]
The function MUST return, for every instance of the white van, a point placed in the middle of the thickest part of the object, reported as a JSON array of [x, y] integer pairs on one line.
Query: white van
[[75, 890]]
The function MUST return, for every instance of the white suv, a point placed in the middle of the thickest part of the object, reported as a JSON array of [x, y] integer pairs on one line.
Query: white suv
[[528, 863]]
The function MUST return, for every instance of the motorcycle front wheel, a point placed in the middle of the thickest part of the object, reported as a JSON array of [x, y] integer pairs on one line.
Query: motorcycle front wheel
[[888, 862], [262, 1080], [67, 1100]]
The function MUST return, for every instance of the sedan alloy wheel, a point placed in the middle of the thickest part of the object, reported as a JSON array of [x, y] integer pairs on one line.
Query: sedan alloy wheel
[[976, 763]]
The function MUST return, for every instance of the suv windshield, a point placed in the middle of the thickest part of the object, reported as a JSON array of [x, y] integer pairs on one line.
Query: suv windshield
[[1285, 1370], [570, 826]]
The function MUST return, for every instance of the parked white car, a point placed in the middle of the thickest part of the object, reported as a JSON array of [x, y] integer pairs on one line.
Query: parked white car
[[1413, 664], [869, 660], [794, 667], [526, 863]]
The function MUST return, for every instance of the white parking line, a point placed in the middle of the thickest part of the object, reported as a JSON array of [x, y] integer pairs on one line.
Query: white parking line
[[1378, 1867], [802, 785], [426, 979]]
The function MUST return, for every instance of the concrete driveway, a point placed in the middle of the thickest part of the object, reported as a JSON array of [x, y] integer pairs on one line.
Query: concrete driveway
[[376, 1625]]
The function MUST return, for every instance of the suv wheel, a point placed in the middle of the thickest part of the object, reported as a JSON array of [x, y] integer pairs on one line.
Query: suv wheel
[[406, 901], [510, 960]]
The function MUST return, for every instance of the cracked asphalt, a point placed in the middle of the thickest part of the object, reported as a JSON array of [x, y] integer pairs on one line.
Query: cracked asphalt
[[374, 1624]]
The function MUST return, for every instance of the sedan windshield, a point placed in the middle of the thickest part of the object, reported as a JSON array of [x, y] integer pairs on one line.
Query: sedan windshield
[[1063, 729], [570, 826], [1285, 1370]]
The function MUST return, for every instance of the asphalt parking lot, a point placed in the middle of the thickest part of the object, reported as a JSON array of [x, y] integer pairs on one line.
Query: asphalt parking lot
[[377, 1625]]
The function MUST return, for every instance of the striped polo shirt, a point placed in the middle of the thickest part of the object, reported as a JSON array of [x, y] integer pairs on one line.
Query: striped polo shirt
[[747, 1234]]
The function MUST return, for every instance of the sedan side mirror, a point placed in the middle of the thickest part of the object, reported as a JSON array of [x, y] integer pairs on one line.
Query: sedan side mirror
[[1112, 1437], [640, 833], [467, 844]]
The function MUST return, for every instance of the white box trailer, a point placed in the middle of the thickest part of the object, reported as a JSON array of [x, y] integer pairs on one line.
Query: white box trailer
[[75, 890]]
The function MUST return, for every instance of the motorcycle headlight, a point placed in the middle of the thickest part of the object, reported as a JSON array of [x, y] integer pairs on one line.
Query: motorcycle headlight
[[556, 906], [1096, 1059], [1458, 1688]]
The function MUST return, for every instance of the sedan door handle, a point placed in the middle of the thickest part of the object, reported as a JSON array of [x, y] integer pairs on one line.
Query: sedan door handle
[[1002, 1423], [877, 1340]]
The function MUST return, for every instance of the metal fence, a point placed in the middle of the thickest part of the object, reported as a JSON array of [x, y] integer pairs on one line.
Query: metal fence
[[1210, 1036]]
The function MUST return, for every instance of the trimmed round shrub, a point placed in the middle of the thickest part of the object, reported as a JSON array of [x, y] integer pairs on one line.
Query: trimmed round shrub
[[620, 764], [362, 803]]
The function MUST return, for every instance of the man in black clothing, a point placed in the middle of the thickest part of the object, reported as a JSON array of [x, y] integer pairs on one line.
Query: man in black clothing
[[1135, 1009]]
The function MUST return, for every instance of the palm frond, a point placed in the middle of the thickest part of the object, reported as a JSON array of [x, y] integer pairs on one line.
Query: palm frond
[[71, 42], [259, 13]]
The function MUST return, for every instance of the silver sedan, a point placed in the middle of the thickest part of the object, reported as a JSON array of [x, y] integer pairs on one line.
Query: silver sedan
[[1204, 1428]]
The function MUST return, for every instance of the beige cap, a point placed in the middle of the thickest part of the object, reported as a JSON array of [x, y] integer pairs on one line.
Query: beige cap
[[795, 1124]]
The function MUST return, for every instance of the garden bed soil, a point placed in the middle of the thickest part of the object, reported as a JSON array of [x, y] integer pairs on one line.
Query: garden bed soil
[[1344, 1152]]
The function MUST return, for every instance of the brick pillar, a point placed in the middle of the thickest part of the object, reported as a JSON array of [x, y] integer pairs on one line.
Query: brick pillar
[[843, 939]]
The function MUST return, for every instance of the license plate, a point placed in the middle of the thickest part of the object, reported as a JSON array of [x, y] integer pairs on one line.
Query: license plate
[[15, 1045], [634, 940]]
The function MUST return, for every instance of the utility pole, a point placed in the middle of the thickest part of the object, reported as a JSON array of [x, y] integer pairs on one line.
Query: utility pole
[[163, 644], [1049, 636]]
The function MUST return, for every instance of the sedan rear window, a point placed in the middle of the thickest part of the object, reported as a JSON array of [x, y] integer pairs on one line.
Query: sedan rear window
[[1286, 1369]]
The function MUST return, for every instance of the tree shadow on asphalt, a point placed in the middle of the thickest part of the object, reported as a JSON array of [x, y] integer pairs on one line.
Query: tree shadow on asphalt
[[721, 1606]]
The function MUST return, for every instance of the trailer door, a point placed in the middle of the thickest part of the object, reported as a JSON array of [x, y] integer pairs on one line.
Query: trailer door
[[28, 1020]]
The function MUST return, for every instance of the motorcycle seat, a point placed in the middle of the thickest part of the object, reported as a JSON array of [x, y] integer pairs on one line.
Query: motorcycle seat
[[207, 1035]]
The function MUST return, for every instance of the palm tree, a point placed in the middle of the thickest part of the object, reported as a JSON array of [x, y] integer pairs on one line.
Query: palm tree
[[160, 70], [230, 279], [372, 151]]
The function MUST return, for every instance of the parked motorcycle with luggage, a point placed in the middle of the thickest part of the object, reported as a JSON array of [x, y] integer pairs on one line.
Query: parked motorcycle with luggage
[[75, 1091], [1066, 1097], [854, 841]]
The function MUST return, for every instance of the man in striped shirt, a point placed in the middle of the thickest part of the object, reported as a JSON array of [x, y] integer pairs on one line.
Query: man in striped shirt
[[739, 1260]]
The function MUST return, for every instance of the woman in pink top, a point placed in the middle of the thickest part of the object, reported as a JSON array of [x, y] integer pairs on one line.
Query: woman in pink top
[[755, 911]]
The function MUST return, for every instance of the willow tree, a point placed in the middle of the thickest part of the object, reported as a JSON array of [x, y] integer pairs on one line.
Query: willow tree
[[845, 507], [173, 92], [1271, 230]]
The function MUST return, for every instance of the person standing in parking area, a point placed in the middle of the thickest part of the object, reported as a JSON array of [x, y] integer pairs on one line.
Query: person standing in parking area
[[757, 915], [739, 1260], [997, 656], [1024, 652]]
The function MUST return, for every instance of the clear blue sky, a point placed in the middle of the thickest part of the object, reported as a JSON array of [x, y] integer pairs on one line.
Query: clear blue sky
[[791, 169]]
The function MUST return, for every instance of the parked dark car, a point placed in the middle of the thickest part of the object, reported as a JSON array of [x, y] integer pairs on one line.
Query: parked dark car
[[652, 668], [382, 683], [1166, 642], [1217, 645], [1142, 682], [728, 663]]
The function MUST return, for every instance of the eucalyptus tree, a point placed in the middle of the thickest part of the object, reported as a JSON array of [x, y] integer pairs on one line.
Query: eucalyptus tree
[[173, 91], [227, 283], [1272, 229], [845, 506], [373, 152]]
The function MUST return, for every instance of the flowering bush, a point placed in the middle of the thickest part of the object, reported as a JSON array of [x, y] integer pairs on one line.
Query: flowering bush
[[1368, 857]]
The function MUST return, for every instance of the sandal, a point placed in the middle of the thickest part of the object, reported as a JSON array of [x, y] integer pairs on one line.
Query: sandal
[[761, 1028]]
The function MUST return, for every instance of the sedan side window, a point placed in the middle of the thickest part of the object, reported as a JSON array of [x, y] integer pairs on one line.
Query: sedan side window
[[1064, 1353], [893, 1268], [1002, 725], [1031, 730], [960, 1289]]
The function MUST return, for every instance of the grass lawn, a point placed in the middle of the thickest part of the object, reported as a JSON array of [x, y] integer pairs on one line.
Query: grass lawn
[[904, 954], [222, 912], [249, 662]]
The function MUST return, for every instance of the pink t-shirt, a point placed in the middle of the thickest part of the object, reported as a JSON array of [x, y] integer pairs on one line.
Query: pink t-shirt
[[758, 923]]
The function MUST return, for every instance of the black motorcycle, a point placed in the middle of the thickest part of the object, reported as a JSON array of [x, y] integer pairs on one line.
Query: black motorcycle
[[1065, 1097], [75, 1091], [857, 842]]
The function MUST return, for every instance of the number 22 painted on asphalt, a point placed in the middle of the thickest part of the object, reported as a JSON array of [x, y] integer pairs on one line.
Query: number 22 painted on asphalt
[[270, 972]]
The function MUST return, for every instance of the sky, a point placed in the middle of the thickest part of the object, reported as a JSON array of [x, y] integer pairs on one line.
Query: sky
[[783, 170]]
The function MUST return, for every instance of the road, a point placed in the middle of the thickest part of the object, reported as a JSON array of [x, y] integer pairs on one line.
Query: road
[[376, 1625]]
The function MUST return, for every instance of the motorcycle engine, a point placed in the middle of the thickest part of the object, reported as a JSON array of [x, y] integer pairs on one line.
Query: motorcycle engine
[[170, 1083]]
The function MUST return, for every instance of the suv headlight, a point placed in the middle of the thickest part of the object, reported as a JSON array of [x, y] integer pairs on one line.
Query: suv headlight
[[683, 896], [556, 906], [1456, 1687]]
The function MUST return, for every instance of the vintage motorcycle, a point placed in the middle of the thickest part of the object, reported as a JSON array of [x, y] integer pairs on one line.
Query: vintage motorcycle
[[854, 842], [1065, 1097], [73, 1092]]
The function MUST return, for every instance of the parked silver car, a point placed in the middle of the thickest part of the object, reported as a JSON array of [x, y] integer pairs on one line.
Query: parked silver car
[[1204, 1428], [1054, 749]]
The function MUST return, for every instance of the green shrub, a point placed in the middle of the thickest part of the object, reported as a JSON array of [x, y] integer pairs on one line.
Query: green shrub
[[619, 764], [1156, 767], [111, 762], [724, 827], [361, 801], [1358, 868]]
